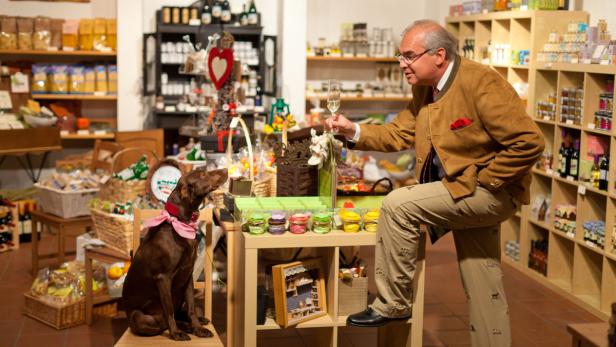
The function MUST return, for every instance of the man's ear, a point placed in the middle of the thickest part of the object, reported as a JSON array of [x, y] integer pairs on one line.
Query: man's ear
[[441, 56]]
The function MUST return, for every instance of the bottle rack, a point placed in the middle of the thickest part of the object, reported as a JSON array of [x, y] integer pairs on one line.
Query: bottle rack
[[581, 271]]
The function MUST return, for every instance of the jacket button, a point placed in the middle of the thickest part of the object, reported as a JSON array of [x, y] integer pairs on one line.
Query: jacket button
[[419, 160], [428, 137]]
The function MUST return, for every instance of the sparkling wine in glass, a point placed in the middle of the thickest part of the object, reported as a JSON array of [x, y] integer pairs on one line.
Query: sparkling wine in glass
[[333, 98]]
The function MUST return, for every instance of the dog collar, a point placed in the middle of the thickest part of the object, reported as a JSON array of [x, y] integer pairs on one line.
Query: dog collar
[[175, 212], [185, 230]]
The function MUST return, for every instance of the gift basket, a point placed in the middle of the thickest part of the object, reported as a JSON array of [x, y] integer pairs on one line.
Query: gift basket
[[67, 194]]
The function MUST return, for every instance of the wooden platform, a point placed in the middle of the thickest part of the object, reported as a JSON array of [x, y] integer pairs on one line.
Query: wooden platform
[[130, 340]]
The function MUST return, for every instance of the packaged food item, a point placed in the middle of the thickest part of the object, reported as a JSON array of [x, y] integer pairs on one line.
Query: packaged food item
[[112, 37], [76, 79], [101, 79], [56, 34], [8, 33], [112, 79], [256, 224], [59, 79], [70, 28], [371, 220], [277, 223], [298, 223], [86, 34], [41, 39], [83, 123], [99, 35], [25, 28], [350, 221], [89, 85], [39, 79], [322, 223]]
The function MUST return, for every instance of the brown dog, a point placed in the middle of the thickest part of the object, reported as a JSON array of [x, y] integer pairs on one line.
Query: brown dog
[[158, 291]]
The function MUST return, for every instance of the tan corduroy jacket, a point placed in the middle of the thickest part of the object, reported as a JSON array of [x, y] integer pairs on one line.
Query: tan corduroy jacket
[[497, 149]]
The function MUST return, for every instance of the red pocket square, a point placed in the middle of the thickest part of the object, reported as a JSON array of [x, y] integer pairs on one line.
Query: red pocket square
[[460, 123]]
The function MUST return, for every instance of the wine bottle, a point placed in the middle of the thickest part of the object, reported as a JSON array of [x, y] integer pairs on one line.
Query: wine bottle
[[562, 160], [206, 15], [225, 13], [595, 173], [253, 17], [216, 11], [244, 16], [574, 163], [603, 169]]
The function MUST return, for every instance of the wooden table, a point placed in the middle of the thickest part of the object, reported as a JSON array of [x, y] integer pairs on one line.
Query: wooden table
[[24, 142], [105, 255], [588, 334], [64, 226]]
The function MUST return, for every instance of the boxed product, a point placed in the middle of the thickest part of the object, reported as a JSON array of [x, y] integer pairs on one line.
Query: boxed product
[[99, 37], [56, 34], [41, 40], [8, 33], [112, 79], [101, 79], [86, 42], [58, 81], [112, 37], [89, 85], [39, 79], [70, 29], [25, 28], [76, 79]]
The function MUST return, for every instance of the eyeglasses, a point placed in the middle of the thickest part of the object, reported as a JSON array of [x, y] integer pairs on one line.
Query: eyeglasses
[[408, 60]]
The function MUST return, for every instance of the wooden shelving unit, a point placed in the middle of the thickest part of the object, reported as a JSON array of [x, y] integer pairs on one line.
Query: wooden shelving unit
[[367, 98], [581, 271], [352, 59], [28, 53], [90, 136], [74, 97]]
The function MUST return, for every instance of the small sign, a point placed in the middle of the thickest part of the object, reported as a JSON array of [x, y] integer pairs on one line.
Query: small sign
[[574, 60], [550, 172], [83, 132], [586, 61], [547, 66], [234, 122], [570, 235], [591, 126], [570, 178], [581, 189], [604, 62], [590, 244], [569, 122], [5, 100], [100, 132], [546, 118], [64, 132], [194, 22], [19, 83]]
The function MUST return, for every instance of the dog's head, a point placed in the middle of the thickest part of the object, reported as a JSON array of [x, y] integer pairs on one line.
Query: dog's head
[[195, 185]]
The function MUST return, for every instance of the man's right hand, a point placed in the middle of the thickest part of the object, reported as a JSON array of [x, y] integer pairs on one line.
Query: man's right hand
[[341, 125]]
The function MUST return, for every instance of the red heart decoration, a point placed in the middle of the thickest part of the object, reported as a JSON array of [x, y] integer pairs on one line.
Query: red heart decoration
[[220, 64]]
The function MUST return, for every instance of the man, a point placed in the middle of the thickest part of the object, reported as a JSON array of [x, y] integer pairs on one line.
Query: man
[[475, 146]]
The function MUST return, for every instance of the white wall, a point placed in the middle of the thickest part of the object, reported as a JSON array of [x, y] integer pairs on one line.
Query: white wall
[[67, 10]]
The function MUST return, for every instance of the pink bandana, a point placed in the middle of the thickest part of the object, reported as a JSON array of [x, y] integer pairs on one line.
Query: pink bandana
[[187, 231]]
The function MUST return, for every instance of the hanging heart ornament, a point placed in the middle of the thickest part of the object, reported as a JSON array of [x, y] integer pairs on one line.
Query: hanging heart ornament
[[220, 64]]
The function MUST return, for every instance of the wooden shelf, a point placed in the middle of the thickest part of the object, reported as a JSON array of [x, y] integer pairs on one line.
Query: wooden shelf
[[543, 121], [562, 234], [352, 59], [21, 53], [590, 68], [570, 126], [598, 132], [610, 255], [366, 98], [320, 322], [564, 285], [541, 172], [540, 224], [595, 249], [91, 136], [73, 97], [335, 238]]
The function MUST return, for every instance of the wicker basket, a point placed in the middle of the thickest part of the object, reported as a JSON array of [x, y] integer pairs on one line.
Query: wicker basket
[[116, 232], [55, 315], [297, 180], [65, 204], [117, 190]]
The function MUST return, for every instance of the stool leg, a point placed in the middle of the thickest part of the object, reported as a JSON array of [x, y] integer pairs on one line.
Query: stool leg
[[88, 289], [35, 248], [61, 233]]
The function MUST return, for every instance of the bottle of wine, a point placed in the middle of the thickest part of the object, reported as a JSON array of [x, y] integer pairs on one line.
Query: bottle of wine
[[603, 169], [574, 163], [562, 160], [216, 11], [595, 173], [244, 16], [225, 14], [253, 17], [206, 15]]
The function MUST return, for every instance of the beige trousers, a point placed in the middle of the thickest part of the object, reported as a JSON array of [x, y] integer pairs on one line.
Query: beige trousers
[[475, 222]]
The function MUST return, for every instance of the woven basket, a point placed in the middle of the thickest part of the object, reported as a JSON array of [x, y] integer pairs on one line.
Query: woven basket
[[117, 190], [116, 232], [55, 315], [297, 180]]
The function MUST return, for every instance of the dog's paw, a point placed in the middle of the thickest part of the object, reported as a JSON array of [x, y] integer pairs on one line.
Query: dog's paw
[[204, 321], [184, 326], [203, 332], [180, 336]]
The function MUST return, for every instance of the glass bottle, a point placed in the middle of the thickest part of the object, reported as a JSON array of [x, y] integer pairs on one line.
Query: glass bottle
[[244, 16], [206, 15], [253, 17], [225, 14], [574, 163], [603, 170], [216, 11]]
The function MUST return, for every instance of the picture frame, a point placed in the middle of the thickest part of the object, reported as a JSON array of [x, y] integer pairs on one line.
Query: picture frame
[[299, 291]]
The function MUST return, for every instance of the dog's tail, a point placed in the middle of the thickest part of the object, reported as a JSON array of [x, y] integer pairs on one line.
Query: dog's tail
[[143, 324]]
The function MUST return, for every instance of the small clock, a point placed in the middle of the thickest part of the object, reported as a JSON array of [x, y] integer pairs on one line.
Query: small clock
[[163, 179]]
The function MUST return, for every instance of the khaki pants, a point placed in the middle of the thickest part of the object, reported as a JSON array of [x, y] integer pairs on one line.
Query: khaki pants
[[475, 222]]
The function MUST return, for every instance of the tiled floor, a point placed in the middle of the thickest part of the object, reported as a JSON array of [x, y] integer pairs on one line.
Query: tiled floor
[[539, 316]]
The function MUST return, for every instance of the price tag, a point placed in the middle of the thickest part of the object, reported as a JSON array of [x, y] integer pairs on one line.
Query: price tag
[[83, 132], [581, 188], [5, 100], [590, 244], [547, 66], [570, 178], [194, 22], [546, 118], [550, 172], [591, 126], [604, 62], [569, 122], [100, 132], [64, 132], [586, 61], [571, 235], [574, 60]]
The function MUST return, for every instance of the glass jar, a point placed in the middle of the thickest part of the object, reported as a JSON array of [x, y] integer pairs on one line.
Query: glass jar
[[256, 224], [351, 221], [277, 223], [298, 223], [371, 220], [322, 223]]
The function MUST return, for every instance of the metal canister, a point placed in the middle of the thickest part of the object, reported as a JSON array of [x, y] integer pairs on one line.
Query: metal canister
[[185, 15], [166, 15], [175, 15]]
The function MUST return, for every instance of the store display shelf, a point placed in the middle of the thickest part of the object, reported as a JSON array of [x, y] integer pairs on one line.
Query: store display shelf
[[567, 180], [25, 53], [570, 126], [518, 214], [184, 113], [544, 121], [590, 246], [590, 68], [90, 136], [365, 98], [592, 300], [190, 29], [564, 235], [592, 189], [334, 238], [540, 224], [320, 322], [505, 66], [562, 284], [73, 97], [598, 132], [352, 59], [491, 15], [542, 172], [610, 255]]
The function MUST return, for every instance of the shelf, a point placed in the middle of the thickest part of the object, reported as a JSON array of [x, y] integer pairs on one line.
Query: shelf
[[320, 322], [598, 132], [541, 172], [593, 189], [492, 15], [73, 97], [505, 66], [562, 284], [367, 98], [334, 238], [544, 121], [565, 180], [590, 68], [352, 59], [592, 300], [21, 53], [518, 214], [91, 136], [570, 126], [196, 29], [564, 235], [595, 249], [610, 255], [540, 224]]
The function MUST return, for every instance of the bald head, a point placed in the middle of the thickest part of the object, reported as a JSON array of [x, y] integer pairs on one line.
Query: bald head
[[433, 36]]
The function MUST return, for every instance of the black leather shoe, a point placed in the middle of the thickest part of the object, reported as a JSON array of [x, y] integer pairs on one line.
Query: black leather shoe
[[369, 318]]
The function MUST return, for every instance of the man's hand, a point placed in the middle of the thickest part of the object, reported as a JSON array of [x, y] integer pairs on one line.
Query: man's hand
[[341, 125]]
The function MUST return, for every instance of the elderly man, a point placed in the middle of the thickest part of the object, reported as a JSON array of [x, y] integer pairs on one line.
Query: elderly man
[[475, 146]]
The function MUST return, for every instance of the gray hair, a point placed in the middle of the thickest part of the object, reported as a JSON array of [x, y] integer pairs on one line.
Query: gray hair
[[435, 36]]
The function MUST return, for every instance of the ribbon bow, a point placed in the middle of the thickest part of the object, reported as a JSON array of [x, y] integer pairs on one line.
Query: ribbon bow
[[185, 230]]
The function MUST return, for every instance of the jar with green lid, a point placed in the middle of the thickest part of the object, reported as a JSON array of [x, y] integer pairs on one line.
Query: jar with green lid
[[322, 223], [256, 224], [351, 221], [371, 220]]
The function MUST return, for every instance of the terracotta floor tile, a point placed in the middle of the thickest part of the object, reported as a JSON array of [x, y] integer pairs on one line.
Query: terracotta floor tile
[[455, 337], [89, 340], [283, 342], [39, 340]]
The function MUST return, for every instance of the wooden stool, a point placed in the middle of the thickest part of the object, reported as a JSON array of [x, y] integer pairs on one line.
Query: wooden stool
[[130, 340], [65, 227], [105, 255], [588, 334]]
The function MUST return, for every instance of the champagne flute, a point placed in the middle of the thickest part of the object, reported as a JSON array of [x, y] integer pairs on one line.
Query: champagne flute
[[333, 98]]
